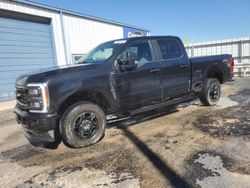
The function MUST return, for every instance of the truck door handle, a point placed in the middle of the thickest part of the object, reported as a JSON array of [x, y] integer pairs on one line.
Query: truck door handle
[[154, 70], [184, 65]]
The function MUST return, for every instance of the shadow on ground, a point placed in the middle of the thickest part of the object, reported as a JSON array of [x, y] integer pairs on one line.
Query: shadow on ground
[[170, 175]]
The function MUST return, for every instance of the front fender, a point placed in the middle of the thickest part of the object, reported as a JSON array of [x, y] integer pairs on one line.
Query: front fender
[[60, 92], [63, 91]]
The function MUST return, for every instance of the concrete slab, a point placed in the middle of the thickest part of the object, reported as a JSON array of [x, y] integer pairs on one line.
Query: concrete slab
[[7, 105]]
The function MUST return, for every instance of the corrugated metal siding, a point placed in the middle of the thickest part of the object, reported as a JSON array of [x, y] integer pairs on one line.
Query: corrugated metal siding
[[82, 35], [238, 47], [56, 23], [24, 46]]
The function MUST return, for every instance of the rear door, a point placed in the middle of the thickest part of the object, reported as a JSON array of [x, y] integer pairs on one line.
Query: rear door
[[175, 69], [141, 86]]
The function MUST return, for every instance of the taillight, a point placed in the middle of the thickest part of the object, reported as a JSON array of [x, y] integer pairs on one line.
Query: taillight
[[231, 60]]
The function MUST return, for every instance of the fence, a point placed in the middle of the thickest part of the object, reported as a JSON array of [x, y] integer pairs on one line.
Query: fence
[[238, 47]]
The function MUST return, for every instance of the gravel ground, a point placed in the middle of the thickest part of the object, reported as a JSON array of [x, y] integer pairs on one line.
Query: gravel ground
[[190, 146]]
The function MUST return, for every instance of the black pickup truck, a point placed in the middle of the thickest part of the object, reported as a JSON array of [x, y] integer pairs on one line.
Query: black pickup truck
[[118, 78]]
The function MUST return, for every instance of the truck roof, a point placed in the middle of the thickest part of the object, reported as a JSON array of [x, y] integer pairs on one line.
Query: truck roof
[[148, 37]]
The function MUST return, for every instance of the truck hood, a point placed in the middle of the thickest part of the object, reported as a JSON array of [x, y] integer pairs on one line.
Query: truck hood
[[43, 75]]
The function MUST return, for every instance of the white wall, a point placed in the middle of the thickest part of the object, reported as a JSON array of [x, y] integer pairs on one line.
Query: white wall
[[82, 34]]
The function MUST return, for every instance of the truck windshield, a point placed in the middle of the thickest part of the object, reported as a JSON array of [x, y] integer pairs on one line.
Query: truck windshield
[[101, 52]]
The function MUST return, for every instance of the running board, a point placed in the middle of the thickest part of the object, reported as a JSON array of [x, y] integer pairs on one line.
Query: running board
[[160, 105]]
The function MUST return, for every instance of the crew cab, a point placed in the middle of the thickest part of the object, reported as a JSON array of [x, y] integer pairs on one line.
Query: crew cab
[[118, 78]]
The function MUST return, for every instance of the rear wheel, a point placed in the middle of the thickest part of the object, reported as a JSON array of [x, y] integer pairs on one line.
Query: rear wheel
[[211, 91], [82, 124]]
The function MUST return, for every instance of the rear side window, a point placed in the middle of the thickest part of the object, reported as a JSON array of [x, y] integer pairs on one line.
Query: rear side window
[[170, 49]]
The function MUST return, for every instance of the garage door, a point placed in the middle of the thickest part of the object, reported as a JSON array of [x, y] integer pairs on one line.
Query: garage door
[[24, 46]]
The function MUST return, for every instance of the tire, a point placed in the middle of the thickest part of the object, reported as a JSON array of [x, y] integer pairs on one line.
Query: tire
[[82, 124], [211, 91]]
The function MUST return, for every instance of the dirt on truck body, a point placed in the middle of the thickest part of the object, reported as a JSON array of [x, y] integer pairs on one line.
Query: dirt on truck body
[[188, 146]]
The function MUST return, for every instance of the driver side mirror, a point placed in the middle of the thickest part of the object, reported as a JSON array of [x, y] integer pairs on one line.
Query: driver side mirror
[[127, 60]]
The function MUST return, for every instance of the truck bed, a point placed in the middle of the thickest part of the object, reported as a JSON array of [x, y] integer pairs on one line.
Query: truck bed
[[212, 58]]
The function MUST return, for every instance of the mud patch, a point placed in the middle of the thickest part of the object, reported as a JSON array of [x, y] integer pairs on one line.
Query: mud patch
[[29, 156], [122, 160], [65, 169], [21, 153], [210, 169], [241, 168], [242, 97], [78, 176], [196, 169], [161, 139], [233, 121]]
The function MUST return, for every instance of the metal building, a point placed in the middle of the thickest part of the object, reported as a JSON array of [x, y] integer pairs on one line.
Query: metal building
[[35, 36], [238, 47]]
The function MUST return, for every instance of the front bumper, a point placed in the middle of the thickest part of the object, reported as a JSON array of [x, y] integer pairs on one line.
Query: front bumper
[[37, 126]]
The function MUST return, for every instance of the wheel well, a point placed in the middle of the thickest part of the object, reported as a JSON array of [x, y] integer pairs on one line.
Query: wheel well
[[216, 74], [91, 96]]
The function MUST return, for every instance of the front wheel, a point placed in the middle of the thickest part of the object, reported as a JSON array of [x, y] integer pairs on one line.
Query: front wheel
[[211, 91], [82, 124]]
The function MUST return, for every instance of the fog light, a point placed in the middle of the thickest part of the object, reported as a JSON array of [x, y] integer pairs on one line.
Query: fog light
[[36, 104]]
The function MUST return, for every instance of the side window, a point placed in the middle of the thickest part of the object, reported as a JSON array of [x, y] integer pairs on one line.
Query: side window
[[170, 49], [142, 51]]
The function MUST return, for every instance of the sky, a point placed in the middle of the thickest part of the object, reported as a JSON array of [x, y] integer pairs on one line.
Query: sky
[[192, 20]]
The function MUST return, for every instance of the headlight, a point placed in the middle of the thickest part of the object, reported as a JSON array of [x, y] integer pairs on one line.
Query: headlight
[[34, 91], [38, 98]]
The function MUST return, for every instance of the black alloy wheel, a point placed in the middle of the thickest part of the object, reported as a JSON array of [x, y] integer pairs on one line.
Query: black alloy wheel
[[82, 124], [86, 125], [211, 91], [214, 91]]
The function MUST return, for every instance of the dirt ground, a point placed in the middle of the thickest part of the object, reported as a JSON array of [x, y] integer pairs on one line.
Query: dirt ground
[[190, 146]]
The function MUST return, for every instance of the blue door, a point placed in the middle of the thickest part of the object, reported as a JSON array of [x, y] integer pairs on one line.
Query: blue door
[[24, 47]]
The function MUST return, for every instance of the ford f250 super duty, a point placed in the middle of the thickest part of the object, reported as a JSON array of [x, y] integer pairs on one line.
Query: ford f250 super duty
[[119, 78]]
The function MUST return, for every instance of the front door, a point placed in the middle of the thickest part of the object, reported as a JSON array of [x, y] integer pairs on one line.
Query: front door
[[140, 86]]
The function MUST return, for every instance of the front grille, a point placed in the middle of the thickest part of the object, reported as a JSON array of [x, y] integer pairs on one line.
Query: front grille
[[22, 97]]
